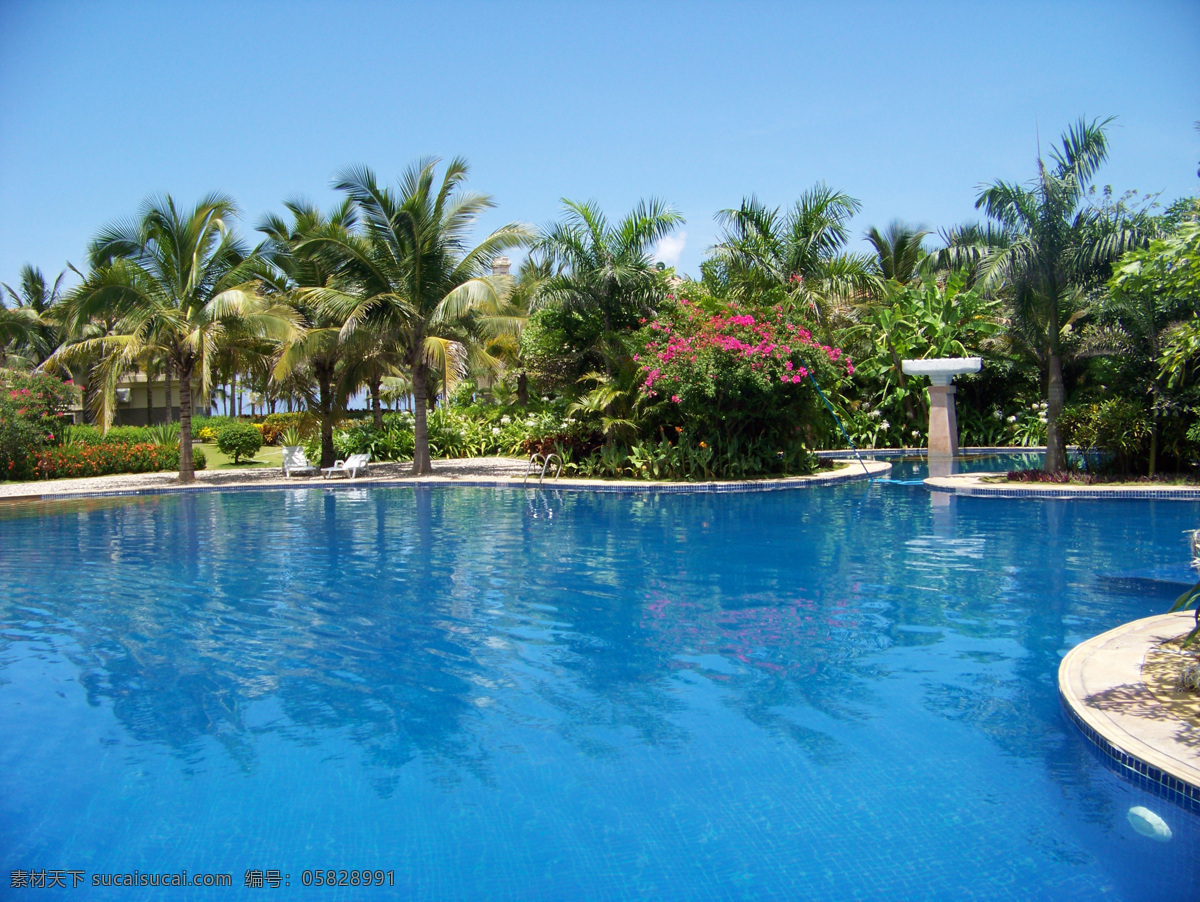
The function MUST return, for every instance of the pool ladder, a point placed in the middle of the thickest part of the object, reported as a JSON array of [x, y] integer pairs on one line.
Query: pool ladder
[[546, 460]]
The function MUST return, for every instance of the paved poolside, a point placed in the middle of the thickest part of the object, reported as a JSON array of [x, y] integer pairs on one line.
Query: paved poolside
[[476, 470], [1121, 689], [976, 485]]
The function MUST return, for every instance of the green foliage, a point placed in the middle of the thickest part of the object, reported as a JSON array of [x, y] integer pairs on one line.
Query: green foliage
[[300, 419], [1169, 269], [1115, 427], [674, 455], [1186, 601], [795, 258], [239, 440], [200, 423], [559, 345], [32, 407], [916, 322], [290, 436]]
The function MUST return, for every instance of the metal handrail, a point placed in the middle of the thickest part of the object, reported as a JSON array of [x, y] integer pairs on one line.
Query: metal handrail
[[546, 460]]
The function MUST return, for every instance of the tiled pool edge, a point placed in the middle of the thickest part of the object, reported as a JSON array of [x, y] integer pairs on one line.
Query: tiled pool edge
[[1135, 747], [853, 471], [972, 485]]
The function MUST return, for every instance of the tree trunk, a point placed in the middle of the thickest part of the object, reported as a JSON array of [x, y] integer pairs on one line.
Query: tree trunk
[[149, 398], [325, 383], [167, 376], [523, 389], [421, 464], [1153, 439], [186, 465], [376, 406], [1056, 395]]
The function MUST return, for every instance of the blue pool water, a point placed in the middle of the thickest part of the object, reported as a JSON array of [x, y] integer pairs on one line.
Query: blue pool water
[[837, 693]]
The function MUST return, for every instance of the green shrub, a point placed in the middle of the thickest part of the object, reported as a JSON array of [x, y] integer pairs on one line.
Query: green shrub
[[300, 419], [239, 440], [1115, 427], [199, 458], [202, 422]]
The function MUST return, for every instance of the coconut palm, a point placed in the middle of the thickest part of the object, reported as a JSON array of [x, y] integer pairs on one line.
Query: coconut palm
[[604, 268], [798, 255], [410, 278], [27, 332], [173, 282], [318, 347], [1059, 244]]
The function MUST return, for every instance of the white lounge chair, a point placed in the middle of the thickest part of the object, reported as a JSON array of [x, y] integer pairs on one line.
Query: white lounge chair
[[295, 463], [350, 466]]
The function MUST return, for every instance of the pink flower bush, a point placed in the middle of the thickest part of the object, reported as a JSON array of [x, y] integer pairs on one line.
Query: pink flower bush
[[729, 370]]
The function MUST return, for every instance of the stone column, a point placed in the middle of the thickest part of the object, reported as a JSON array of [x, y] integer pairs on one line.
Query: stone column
[[943, 422]]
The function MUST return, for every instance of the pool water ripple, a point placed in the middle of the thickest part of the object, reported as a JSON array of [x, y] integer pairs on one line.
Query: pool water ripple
[[841, 693]]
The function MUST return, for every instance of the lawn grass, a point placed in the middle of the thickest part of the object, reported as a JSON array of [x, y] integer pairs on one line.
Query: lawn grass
[[267, 456]]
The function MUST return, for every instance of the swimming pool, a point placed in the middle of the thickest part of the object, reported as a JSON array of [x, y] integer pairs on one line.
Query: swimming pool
[[837, 693]]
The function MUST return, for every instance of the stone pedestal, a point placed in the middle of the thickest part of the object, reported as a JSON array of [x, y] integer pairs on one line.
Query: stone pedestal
[[943, 421]]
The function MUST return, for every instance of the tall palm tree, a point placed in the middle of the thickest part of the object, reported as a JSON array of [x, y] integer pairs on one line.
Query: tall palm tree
[[318, 347], [410, 277], [799, 254], [1059, 244], [174, 281]]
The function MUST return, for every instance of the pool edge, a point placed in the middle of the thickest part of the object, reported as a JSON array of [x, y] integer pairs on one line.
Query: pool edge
[[1102, 692]]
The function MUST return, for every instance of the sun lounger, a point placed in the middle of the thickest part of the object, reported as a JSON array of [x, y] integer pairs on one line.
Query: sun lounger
[[296, 464], [350, 467]]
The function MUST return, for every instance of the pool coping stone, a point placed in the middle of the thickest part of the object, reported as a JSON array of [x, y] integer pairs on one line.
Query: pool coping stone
[[973, 485], [493, 472], [1103, 687]]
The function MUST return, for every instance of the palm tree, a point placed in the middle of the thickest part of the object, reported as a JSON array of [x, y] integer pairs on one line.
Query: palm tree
[[798, 254], [605, 269], [174, 282], [898, 250], [410, 279], [318, 346], [27, 331], [1059, 244]]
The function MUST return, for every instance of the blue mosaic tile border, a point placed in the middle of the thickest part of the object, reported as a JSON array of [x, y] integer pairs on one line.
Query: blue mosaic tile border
[[1134, 769], [1180, 494]]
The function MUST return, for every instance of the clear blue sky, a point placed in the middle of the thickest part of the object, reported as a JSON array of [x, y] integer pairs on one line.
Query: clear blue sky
[[908, 106]]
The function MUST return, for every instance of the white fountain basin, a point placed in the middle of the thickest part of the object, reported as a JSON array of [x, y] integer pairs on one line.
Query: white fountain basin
[[942, 369]]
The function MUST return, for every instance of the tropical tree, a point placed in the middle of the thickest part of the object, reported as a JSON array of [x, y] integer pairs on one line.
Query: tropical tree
[[172, 283], [797, 257], [1059, 245], [27, 332], [603, 274], [417, 285], [1155, 297], [898, 250], [317, 347]]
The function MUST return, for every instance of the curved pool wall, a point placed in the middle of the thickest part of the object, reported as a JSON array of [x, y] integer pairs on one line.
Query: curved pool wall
[[842, 693]]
